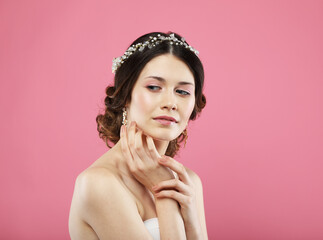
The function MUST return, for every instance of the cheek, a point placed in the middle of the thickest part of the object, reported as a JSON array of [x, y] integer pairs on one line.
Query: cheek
[[142, 101], [187, 111]]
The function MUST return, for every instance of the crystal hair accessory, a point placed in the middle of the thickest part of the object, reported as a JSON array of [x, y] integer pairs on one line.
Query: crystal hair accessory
[[152, 42]]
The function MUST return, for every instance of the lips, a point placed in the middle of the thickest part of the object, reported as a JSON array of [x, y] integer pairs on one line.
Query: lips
[[166, 118]]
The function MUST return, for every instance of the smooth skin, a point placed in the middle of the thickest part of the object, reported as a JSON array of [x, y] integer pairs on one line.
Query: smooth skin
[[130, 183]]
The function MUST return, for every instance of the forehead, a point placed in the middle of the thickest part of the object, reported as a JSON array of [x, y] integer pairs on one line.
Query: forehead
[[168, 67]]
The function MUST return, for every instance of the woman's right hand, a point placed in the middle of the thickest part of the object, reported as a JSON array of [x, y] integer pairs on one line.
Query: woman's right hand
[[142, 159]]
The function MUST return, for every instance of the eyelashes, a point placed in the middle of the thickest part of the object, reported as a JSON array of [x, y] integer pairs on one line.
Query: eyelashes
[[182, 92], [154, 88], [179, 91]]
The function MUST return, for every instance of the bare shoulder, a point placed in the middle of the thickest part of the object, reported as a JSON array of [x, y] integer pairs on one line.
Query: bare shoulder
[[194, 177], [93, 181], [98, 187], [97, 175], [94, 186], [100, 200], [190, 172]]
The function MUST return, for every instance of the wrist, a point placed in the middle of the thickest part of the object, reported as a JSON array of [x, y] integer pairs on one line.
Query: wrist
[[194, 233], [193, 229], [166, 202]]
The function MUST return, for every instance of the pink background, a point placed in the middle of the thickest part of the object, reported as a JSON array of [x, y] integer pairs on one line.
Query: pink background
[[257, 145]]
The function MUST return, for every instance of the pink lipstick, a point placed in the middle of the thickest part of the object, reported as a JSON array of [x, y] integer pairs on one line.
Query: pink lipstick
[[165, 120]]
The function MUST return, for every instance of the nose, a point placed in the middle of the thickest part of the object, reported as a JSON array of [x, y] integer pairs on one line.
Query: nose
[[169, 101]]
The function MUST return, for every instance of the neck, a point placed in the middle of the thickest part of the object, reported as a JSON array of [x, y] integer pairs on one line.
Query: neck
[[161, 146]]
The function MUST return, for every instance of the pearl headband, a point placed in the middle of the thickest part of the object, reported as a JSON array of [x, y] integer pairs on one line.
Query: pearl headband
[[152, 42]]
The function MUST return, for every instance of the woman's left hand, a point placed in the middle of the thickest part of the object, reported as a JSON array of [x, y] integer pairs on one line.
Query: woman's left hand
[[181, 190]]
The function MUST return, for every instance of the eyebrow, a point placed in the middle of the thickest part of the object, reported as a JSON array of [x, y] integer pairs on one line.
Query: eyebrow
[[163, 80]]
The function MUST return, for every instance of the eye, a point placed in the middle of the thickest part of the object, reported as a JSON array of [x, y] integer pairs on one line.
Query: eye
[[153, 87], [182, 92]]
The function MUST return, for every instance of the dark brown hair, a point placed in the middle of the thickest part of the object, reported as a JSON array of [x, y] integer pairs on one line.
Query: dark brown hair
[[109, 123]]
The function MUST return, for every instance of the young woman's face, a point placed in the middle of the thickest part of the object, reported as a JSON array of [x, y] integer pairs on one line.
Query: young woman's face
[[163, 98]]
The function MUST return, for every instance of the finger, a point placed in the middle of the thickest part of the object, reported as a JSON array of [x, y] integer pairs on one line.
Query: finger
[[139, 147], [125, 148], [131, 136], [176, 167], [132, 141], [152, 148], [179, 197], [172, 184]]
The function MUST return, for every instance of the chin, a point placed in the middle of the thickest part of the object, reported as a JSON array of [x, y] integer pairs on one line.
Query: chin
[[162, 135], [161, 138]]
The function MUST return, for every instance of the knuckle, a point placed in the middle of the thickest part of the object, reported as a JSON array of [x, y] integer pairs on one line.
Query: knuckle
[[132, 169], [150, 149], [131, 145], [138, 135], [176, 182], [172, 194], [140, 168], [189, 201], [137, 148]]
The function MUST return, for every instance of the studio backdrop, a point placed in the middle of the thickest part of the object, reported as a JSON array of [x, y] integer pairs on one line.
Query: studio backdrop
[[257, 146]]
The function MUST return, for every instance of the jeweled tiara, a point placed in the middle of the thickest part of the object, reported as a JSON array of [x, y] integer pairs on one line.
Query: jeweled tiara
[[152, 42]]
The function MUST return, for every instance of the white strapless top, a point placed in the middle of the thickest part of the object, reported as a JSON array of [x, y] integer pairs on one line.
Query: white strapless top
[[153, 228]]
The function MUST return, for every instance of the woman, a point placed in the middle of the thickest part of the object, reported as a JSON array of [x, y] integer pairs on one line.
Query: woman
[[136, 190]]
